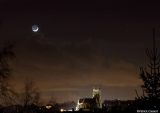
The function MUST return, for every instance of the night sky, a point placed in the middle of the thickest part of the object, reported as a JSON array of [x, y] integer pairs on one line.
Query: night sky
[[80, 45]]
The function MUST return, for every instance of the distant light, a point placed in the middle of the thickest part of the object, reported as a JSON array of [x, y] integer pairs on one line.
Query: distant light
[[48, 107], [35, 28], [62, 110]]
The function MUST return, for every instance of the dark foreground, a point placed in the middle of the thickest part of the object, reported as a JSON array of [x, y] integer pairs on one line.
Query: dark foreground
[[95, 111], [137, 106]]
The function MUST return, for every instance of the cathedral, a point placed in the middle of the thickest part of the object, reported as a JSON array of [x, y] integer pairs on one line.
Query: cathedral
[[90, 104]]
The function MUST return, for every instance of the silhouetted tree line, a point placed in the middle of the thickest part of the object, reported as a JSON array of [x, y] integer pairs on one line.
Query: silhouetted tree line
[[11, 101], [150, 75], [6, 92], [27, 101]]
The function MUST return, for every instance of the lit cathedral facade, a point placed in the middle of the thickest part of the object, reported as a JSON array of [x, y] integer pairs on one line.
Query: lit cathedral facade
[[90, 104]]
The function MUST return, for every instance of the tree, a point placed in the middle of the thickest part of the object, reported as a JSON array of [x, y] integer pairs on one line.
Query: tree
[[6, 92], [151, 75], [31, 95]]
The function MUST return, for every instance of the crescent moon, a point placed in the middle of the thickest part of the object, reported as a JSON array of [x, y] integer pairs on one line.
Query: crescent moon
[[35, 28]]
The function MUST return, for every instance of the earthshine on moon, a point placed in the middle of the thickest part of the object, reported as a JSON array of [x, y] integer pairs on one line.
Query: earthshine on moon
[[35, 28]]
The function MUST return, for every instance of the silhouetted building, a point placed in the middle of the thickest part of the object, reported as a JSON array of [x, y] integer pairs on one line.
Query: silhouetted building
[[90, 104], [118, 105], [97, 97], [86, 104]]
